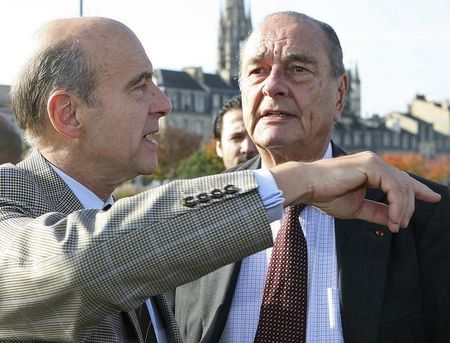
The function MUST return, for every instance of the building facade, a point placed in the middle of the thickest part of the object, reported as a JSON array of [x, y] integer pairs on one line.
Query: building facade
[[196, 96]]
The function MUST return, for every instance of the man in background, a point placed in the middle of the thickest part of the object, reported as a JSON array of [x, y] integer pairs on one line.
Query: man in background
[[10, 141], [233, 145], [356, 282]]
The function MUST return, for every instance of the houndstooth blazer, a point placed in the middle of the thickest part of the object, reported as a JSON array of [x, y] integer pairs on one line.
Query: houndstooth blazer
[[69, 274]]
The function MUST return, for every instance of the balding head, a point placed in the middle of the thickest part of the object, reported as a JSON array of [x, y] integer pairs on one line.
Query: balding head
[[10, 141], [69, 56], [90, 33]]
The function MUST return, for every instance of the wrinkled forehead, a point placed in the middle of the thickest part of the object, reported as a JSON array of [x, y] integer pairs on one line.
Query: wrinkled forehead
[[280, 37]]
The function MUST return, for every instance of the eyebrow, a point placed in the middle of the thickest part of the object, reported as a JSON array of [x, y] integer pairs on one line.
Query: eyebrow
[[139, 78], [290, 57]]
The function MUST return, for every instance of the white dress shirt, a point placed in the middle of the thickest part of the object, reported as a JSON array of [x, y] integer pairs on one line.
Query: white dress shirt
[[323, 314]]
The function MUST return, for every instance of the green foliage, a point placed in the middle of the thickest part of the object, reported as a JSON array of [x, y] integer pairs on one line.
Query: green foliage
[[174, 146], [200, 163]]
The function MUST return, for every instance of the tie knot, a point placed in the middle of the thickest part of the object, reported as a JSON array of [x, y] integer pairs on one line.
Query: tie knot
[[294, 210]]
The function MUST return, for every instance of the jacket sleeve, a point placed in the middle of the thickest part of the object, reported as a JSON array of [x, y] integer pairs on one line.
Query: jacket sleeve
[[70, 271], [434, 262]]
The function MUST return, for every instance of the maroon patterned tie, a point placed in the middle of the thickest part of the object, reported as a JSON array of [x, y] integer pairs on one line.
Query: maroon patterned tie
[[283, 309]]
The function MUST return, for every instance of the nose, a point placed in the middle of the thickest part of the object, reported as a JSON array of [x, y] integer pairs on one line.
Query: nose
[[161, 104], [275, 83], [247, 147]]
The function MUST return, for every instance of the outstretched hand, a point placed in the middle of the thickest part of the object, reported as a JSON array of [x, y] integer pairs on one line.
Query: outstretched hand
[[337, 186]]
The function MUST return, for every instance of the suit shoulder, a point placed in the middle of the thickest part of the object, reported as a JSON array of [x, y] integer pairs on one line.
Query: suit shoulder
[[253, 163]]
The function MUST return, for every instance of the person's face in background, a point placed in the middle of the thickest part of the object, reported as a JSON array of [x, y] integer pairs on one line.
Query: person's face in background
[[234, 146]]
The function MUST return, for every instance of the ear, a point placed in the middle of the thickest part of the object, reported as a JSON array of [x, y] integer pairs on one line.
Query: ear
[[342, 92], [62, 112], [219, 149]]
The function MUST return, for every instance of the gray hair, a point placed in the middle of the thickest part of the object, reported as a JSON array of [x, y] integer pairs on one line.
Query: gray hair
[[334, 46], [62, 65]]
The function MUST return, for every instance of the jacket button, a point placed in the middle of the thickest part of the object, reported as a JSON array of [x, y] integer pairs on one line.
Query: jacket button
[[230, 189], [379, 232], [216, 193], [203, 197], [189, 201]]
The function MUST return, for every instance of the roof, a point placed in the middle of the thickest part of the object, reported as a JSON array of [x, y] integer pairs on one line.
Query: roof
[[176, 79], [215, 81]]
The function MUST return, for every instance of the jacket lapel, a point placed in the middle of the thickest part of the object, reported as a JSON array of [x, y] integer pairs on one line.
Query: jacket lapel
[[220, 286], [363, 254], [168, 318], [58, 194]]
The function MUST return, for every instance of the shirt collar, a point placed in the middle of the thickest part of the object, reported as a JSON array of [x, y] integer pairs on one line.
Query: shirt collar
[[87, 198]]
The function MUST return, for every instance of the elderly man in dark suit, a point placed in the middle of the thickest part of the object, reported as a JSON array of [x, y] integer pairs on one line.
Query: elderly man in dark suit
[[364, 283]]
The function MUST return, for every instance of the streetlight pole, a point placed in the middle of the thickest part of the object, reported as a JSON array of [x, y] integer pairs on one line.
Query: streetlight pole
[[81, 8]]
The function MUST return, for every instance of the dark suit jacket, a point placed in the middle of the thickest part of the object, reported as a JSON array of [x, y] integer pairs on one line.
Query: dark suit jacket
[[394, 287]]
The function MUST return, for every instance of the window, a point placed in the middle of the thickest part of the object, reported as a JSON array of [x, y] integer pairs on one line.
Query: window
[[405, 140], [199, 103], [396, 139], [186, 104], [173, 96], [368, 139], [386, 140], [216, 101]]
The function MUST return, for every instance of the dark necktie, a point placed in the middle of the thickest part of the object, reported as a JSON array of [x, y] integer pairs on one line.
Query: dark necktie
[[145, 324], [283, 309]]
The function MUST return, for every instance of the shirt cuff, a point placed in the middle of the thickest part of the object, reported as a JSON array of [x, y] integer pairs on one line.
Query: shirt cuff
[[271, 196]]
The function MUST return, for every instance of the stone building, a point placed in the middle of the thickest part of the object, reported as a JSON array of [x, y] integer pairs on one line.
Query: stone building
[[397, 132], [196, 96]]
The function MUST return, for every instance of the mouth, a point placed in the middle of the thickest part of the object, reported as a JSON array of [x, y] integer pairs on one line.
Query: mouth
[[269, 113]]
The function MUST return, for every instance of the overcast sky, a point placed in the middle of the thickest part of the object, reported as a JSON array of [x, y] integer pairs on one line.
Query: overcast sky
[[401, 47]]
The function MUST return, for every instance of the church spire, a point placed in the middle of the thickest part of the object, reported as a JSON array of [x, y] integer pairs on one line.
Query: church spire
[[234, 26]]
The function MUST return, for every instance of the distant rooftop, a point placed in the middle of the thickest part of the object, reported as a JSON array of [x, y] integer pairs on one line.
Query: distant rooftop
[[177, 79]]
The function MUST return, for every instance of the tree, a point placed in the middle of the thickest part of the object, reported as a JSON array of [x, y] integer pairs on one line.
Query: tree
[[410, 162], [437, 169], [202, 162], [174, 146]]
